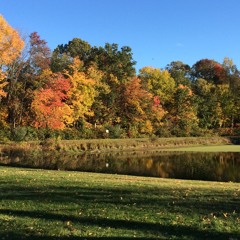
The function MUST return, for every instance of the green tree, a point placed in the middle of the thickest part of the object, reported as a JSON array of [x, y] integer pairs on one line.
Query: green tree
[[60, 61], [180, 72], [209, 108], [114, 61], [183, 113], [64, 54], [117, 67]]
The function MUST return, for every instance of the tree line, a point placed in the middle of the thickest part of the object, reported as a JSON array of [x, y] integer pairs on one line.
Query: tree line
[[84, 91]]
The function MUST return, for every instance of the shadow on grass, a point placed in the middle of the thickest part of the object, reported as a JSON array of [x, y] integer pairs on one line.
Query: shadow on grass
[[136, 198], [122, 197], [153, 228], [13, 236]]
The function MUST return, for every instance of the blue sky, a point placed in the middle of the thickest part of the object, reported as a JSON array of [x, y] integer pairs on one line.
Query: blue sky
[[158, 31]]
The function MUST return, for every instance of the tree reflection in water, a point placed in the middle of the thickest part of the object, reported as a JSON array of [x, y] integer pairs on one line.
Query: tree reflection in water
[[180, 165]]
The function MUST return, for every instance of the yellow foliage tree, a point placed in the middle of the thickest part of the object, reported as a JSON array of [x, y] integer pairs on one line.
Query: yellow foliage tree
[[158, 82], [11, 46], [184, 112], [83, 90]]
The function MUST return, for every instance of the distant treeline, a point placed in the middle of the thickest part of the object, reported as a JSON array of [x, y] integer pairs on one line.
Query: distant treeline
[[83, 91]]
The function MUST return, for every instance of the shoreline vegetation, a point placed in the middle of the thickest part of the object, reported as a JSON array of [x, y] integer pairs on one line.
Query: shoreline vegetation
[[194, 158], [106, 145]]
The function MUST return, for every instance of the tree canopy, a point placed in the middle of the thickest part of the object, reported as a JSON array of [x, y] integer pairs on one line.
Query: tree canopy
[[78, 91]]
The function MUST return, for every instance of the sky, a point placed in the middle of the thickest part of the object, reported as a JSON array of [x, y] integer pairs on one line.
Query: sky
[[158, 31]]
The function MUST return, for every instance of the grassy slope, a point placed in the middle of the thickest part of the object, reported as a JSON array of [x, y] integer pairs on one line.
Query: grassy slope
[[103, 145], [37, 204], [221, 148]]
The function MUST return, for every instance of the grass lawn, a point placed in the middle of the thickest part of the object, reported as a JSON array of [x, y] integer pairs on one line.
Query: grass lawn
[[217, 148], [40, 204]]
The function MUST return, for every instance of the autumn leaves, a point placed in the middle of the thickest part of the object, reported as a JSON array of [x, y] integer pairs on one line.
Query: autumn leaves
[[87, 88], [10, 48]]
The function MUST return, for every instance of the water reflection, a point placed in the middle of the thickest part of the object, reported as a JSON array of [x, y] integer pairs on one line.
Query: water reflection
[[181, 165]]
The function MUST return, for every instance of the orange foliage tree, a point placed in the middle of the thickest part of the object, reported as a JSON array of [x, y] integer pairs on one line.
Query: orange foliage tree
[[49, 105], [138, 107]]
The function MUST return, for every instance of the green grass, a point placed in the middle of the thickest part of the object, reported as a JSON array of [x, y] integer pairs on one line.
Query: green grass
[[38, 204], [220, 148]]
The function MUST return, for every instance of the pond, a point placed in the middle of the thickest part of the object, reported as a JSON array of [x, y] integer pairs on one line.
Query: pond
[[211, 166]]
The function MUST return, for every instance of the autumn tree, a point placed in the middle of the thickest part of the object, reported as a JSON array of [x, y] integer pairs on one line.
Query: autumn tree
[[138, 110], [133, 102], [39, 53], [209, 104], [159, 83], [183, 113], [109, 59], [24, 77], [209, 70], [232, 76], [82, 92], [229, 107], [16, 89], [11, 45], [117, 66], [49, 103]]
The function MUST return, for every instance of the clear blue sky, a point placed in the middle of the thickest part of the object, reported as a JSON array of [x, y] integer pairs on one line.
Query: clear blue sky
[[158, 31]]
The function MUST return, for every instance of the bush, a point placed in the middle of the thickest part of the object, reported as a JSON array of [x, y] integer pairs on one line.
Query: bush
[[70, 134], [87, 133], [133, 132], [163, 132], [4, 135], [18, 134], [116, 131], [32, 134]]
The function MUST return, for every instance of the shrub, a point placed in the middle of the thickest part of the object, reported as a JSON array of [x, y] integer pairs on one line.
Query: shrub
[[116, 131], [70, 134], [31, 135], [163, 132], [18, 134], [4, 135]]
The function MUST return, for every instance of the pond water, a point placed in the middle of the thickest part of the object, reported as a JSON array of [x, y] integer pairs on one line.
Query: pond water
[[212, 166]]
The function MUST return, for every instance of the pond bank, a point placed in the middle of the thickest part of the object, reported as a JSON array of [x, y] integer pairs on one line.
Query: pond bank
[[106, 145], [143, 143], [215, 159]]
